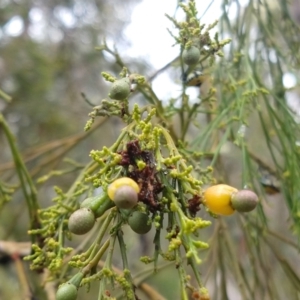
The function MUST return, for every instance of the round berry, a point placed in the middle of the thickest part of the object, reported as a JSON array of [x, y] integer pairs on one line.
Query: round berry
[[126, 197], [66, 291], [191, 55], [217, 199], [244, 200], [120, 89], [81, 221], [123, 181], [139, 222]]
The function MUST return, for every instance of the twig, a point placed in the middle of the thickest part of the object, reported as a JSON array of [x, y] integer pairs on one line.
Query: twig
[[29, 190], [49, 286], [26, 291], [165, 67], [10, 248], [5, 96], [36, 152]]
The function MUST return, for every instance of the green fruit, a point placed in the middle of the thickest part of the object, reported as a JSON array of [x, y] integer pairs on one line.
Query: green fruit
[[125, 197], [191, 55], [120, 89], [66, 291], [76, 279], [139, 222], [81, 221], [244, 200], [98, 204]]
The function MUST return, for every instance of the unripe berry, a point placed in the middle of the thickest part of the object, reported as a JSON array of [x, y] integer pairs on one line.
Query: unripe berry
[[81, 221], [120, 89], [124, 192], [126, 197], [66, 291], [244, 200], [139, 222], [191, 55]]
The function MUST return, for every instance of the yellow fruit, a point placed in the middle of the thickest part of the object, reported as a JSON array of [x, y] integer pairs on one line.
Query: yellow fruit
[[217, 199], [120, 182]]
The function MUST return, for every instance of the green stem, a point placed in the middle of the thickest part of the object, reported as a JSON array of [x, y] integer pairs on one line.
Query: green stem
[[182, 275], [122, 249], [101, 233], [108, 265], [228, 243], [96, 258], [223, 274], [193, 264], [127, 274], [60, 238], [157, 247], [5, 96], [27, 184]]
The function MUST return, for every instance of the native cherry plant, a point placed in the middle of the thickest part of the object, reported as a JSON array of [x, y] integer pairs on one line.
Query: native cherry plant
[[148, 180]]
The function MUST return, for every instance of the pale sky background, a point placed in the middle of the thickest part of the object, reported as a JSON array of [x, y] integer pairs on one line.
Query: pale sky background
[[150, 39], [149, 25], [147, 34]]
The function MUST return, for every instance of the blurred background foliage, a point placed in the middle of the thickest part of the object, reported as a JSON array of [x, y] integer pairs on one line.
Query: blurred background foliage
[[51, 61]]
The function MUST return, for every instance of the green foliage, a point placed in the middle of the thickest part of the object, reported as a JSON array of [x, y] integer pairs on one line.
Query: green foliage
[[239, 129]]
